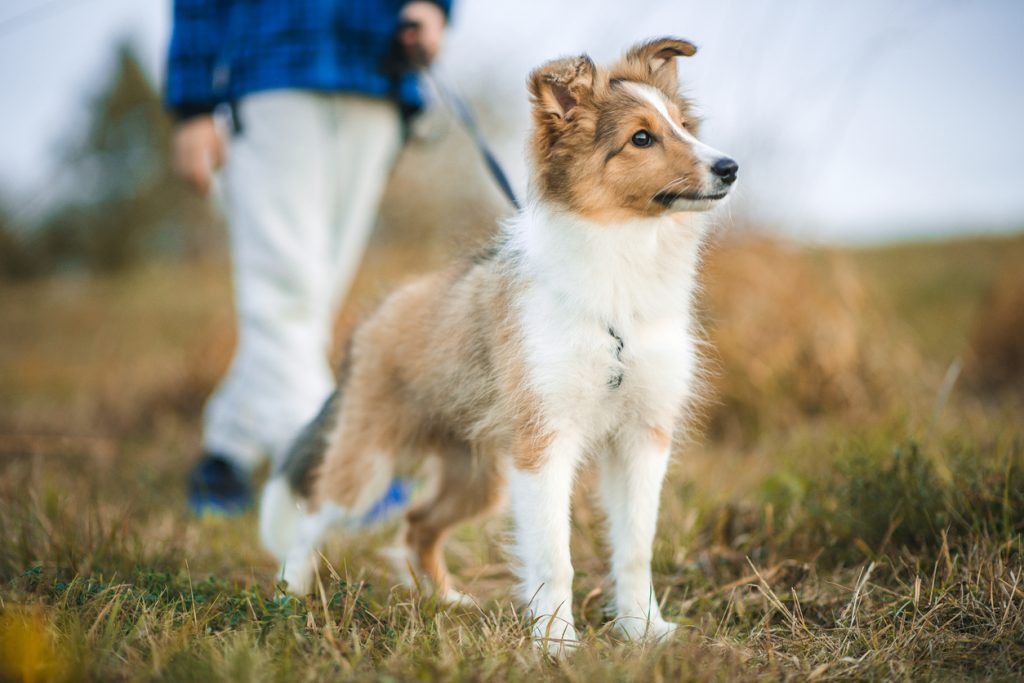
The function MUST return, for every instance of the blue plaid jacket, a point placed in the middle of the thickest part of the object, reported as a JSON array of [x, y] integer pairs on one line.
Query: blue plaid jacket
[[221, 50]]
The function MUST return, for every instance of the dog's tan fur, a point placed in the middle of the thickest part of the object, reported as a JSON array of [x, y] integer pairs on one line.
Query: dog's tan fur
[[435, 371], [583, 123]]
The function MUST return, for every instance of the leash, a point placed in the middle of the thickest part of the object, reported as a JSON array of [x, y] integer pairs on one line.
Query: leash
[[460, 110], [458, 107]]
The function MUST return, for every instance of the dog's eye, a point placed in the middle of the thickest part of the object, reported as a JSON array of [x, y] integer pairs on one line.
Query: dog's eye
[[642, 138]]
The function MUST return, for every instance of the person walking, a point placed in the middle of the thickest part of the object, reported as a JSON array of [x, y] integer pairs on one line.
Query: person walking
[[317, 110]]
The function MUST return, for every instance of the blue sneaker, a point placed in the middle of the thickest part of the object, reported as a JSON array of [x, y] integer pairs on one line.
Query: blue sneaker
[[218, 486]]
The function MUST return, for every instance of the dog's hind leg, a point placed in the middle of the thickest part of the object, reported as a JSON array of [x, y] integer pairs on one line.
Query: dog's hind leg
[[288, 528], [293, 532], [299, 507], [294, 528], [469, 485]]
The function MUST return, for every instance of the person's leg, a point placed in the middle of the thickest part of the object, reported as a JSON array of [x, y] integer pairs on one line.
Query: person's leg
[[280, 204], [365, 136], [367, 139]]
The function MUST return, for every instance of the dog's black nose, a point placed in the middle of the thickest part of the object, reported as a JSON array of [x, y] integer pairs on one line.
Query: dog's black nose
[[726, 169]]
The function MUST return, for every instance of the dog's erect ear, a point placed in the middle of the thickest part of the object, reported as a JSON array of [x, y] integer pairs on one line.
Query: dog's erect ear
[[658, 58], [560, 86]]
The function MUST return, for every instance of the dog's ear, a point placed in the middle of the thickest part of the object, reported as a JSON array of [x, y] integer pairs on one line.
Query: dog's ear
[[657, 57], [559, 87]]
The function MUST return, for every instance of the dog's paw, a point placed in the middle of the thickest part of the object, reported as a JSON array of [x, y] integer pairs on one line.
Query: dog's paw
[[644, 629], [298, 577], [405, 566], [454, 598], [555, 636]]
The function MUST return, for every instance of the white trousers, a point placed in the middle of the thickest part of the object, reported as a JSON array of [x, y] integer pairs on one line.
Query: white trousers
[[303, 183]]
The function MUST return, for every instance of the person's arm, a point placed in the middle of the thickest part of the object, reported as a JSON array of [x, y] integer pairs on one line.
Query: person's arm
[[191, 92], [197, 38]]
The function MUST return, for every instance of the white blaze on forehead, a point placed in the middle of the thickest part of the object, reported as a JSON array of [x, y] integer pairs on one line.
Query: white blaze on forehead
[[657, 99]]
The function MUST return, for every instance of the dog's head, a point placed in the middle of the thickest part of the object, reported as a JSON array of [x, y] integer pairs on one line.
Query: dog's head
[[620, 142]]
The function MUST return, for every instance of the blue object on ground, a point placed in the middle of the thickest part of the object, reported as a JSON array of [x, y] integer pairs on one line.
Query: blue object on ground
[[393, 501], [218, 486]]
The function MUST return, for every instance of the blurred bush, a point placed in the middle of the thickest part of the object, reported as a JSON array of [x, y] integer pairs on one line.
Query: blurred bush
[[995, 359], [116, 201], [18, 258], [875, 497], [794, 333]]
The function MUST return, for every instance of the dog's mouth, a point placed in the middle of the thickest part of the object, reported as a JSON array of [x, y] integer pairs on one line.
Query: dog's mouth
[[669, 198]]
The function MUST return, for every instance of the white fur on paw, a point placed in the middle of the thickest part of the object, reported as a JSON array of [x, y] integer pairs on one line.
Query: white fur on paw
[[298, 577], [454, 598], [402, 563], [642, 628]]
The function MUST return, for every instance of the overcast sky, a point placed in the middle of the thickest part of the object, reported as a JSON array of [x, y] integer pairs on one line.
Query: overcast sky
[[854, 121]]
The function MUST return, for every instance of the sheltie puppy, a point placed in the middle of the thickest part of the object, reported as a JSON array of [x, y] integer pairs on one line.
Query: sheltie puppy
[[570, 338]]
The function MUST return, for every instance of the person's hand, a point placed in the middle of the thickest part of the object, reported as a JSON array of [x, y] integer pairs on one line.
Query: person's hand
[[422, 40], [198, 152]]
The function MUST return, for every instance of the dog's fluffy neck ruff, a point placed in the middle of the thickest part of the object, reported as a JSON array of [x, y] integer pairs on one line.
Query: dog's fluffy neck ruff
[[621, 273]]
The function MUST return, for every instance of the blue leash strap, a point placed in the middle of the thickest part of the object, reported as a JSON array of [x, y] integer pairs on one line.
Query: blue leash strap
[[456, 105], [462, 112]]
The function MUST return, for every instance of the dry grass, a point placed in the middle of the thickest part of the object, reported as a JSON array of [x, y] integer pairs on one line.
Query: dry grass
[[847, 516]]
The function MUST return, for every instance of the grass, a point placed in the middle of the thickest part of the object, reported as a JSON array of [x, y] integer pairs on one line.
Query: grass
[[842, 513]]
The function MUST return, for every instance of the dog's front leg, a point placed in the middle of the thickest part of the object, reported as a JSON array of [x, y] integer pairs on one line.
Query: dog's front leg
[[540, 489], [631, 476]]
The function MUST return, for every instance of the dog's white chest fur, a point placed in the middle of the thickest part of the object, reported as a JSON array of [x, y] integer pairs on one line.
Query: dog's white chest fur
[[606, 318]]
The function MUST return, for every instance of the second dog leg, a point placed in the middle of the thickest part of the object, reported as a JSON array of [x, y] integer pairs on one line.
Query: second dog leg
[[469, 486], [631, 477], [540, 498]]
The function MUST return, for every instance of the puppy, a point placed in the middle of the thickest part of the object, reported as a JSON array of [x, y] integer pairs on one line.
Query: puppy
[[570, 338]]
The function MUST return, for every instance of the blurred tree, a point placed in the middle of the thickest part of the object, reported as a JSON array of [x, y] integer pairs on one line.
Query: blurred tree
[[18, 260], [121, 202]]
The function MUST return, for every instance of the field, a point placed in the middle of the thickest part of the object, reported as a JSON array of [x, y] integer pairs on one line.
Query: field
[[849, 504]]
